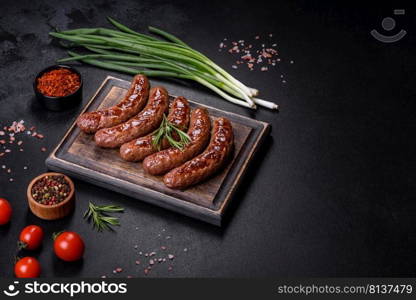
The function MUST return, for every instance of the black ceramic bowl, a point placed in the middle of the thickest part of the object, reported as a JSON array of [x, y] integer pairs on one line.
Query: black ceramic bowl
[[59, 103]]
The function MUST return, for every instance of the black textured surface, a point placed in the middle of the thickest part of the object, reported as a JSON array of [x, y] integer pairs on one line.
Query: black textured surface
[[332, 192]]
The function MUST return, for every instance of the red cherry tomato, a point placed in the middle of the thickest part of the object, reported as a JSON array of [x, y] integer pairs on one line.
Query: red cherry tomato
[[31, 237], [5, 211], [27, 267], [69, 246]]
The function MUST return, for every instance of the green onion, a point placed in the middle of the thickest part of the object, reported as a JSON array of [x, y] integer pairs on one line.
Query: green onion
[[128, 51]]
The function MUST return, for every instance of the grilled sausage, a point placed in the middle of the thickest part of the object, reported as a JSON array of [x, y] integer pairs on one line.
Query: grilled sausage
[[143, 123], [208, 162], [199, 132], [132, 104], [138, 149]]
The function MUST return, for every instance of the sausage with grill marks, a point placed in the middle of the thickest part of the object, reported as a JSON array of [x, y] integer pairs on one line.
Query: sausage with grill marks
[[132, 104], [207, 163], [143, 123], [138, 149], [199, 132]]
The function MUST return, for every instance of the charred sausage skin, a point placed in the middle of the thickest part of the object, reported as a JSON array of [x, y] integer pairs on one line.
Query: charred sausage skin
[[199, 133], [138, 149], [143, 123], [132, 104], [207, 163]]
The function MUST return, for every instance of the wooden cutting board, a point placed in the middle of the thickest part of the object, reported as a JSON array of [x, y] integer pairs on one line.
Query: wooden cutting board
[[78, 156]]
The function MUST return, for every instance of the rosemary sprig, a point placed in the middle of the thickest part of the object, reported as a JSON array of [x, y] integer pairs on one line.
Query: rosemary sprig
[[99, 216], [166, 130]]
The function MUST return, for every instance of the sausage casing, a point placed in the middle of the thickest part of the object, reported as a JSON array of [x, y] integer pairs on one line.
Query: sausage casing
[[207, 163], [138, 149], [199, 133], [132, 104], [143, 123]]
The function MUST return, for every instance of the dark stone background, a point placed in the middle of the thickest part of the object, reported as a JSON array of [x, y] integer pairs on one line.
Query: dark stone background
[[331, 193]]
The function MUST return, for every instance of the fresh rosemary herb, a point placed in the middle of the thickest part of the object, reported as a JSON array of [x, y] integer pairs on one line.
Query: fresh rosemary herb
[[100, 218], [166, 130]]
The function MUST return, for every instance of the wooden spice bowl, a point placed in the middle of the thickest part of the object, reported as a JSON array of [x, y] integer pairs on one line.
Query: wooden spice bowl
[[55, 211]]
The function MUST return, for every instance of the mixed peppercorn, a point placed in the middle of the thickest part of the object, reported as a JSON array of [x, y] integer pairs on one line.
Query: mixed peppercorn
[[51, 190]]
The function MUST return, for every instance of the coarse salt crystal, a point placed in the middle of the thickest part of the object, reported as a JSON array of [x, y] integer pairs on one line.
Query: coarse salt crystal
[[246, 57]]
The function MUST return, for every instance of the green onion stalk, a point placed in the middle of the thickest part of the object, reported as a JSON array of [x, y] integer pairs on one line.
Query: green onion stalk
[[125, 50]]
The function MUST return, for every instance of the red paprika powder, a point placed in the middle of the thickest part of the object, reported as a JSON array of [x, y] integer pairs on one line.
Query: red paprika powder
[[58, 83]]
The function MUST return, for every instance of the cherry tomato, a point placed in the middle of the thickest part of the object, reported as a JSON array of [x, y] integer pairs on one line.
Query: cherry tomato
[[69, 246], [5, 211], [31, 237], [27, 267]]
